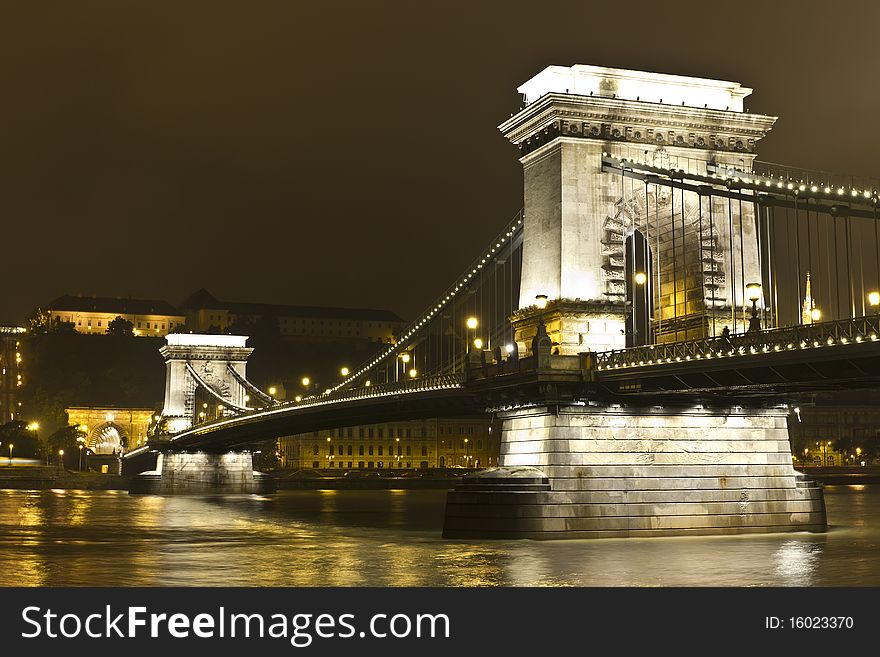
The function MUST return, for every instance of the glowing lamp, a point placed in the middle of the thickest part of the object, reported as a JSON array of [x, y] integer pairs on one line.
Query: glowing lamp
[[471, 322], [874, 298], [753, 292], [641, 278]]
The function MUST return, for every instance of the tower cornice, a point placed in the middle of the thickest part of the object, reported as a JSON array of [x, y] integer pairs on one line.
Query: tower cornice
[[635, 122]]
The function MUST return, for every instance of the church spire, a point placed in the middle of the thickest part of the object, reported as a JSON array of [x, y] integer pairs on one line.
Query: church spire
[[809, 304]]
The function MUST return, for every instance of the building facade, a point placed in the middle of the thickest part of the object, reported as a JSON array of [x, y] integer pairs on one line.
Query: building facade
[[832, 435], [11, 377], [205, 313], [92, 315], [412, 445], [111, 430]]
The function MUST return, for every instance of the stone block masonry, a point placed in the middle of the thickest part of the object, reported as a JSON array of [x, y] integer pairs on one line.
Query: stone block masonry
[[616, 472]]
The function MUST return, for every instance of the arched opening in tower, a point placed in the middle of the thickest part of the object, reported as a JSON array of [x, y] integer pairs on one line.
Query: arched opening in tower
[[639, 290]]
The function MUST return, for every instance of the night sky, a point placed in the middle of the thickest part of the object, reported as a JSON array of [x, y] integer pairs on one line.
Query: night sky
[[347, 153]]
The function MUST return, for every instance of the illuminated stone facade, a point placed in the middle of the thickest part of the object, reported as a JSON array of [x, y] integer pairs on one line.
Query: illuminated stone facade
[[606, 471], [434, 443], [578, 219], [600, 469], [214, 365], [111, 430], [92, 315]]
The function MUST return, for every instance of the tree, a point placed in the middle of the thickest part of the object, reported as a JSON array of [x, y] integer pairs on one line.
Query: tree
[[241, 326], [26, 442], [67, 439], [268, 457], [41, 321], [120, 326], [871, 448]]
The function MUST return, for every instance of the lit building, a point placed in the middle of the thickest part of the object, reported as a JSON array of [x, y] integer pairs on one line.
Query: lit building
[[205, 313], [149, 317], [10, 371], [111, 430], [411, 445], [831, 434]]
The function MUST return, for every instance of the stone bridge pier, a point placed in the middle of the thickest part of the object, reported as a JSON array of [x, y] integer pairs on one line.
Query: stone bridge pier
[[200, 367], [202, 473], [585, 471]]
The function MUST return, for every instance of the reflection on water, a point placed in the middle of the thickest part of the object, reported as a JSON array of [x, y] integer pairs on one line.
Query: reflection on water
[[391, 538]]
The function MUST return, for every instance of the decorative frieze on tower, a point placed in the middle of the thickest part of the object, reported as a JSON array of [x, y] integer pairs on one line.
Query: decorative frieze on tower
[[589, 235]]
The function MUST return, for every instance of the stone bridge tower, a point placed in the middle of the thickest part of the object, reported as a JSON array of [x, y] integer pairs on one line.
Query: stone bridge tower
[[580, 222], [213, 363]]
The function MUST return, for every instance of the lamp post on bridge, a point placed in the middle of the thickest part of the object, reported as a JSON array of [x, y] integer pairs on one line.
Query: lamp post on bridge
[[753, 292]]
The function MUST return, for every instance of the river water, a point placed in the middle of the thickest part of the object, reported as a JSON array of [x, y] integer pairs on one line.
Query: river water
[[391, 538]]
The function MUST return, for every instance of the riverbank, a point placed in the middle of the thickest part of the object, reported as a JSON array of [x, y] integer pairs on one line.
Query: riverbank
[[42, 477], [843, 475], [367, 483]]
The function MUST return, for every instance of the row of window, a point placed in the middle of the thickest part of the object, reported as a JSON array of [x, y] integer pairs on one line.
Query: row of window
[[379, 432], [349, 450], [341, 450], [370, 464], [100, 322]]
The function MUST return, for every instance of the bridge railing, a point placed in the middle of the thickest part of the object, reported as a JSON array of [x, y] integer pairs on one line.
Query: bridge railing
[[806, 336], [422, 384]]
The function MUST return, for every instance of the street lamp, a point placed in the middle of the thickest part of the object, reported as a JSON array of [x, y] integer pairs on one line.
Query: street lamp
[[344, 371], [641, 278], [60, 457], [306, 381], [10, 453], [404, 358], [272, 390], [478, 344], [753, 293], [815, 314], [874, 299], [467, 457], [80, 457], [472, 322], [413, 373]]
